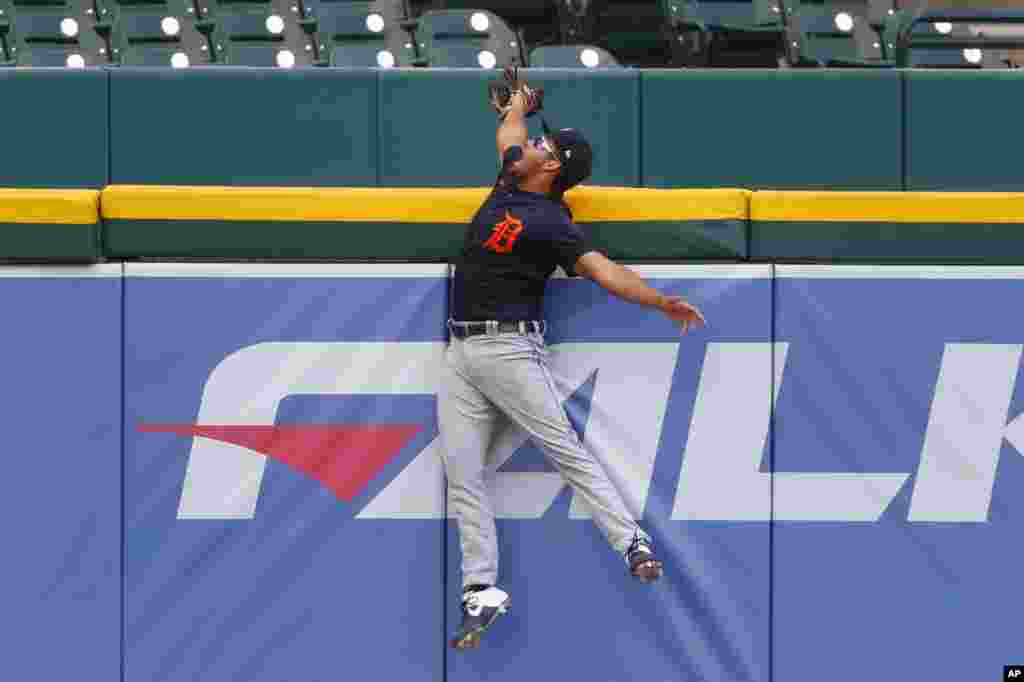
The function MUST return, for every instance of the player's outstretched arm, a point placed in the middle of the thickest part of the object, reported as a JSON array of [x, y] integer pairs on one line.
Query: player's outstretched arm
[[515, 101], [512, 131], [628, 285]]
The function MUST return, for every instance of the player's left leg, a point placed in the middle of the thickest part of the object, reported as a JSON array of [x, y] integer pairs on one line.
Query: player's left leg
[[467, 420]]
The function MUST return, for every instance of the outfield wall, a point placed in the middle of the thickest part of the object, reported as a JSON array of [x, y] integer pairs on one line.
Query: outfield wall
[[428, 225], [230, 472], [844, 129]]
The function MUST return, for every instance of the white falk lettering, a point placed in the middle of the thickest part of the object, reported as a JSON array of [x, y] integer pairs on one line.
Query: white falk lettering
[[720, 478]]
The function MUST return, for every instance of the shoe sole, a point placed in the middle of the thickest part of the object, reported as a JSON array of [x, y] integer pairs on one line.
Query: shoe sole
[[471, 639], [648, 571]]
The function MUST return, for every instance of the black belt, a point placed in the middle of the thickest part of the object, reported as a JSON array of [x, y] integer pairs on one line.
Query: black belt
[[461, 330]]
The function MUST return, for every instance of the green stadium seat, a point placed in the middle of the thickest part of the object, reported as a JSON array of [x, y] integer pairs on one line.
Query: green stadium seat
[[833, 35], [538, 22], [879, 12], [5, 29], [154, 33], [253, 33], [637, 32], [572, 57], [739, 34], [943, 38], [936, 57], [466, 39], [362, 34], [52, 33]]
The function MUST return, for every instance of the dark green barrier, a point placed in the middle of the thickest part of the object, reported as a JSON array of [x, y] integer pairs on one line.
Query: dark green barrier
[[49, 226], [605, 106], [402, 224], [900, 227], [241, 126], [963, 130], [53, 128], [835, 129], [436, 129]]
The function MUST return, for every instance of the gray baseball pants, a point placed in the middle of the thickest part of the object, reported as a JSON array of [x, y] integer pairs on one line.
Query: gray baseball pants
[[486, 378]]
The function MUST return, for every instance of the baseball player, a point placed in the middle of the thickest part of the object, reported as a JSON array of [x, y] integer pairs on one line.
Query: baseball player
[[495, 365]]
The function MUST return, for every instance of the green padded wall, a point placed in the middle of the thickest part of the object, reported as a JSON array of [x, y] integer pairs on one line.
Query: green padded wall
[[605, 106], [834, 129], [900, 227], [53, 128], [963, 130], [389, 224], [437, 130], [49, 225], [244, 126]]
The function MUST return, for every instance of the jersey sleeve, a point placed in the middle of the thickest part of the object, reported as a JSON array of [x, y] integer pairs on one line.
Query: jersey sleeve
[[569, 241]]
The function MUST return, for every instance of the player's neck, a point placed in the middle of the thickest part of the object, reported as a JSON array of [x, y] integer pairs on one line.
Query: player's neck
[[538, 184]]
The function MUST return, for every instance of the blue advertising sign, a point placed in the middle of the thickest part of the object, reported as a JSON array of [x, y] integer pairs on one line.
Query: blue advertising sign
[[897, 442], [60, 494], [283, 489]]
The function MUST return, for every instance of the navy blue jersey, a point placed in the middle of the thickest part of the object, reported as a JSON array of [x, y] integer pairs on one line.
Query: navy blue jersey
[[513, 244]]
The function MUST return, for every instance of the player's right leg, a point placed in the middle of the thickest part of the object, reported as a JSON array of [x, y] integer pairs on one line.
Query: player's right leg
[[515, 376], [467, 420]]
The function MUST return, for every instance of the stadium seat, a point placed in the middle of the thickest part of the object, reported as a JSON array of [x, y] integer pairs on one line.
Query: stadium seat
[[638, 32], [538, 22], [935, 57], [740, 34], [253, 33], [467, 39], [52, 33], [833, 35], [361, 34], [927, 37], [572, 57], [879, 12], [5, 28], [154, 33]]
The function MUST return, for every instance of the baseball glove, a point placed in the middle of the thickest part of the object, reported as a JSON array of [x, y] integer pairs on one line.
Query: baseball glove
[[499, 93]]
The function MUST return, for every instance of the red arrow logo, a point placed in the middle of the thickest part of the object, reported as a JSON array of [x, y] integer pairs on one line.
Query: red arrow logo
[[343, 458]]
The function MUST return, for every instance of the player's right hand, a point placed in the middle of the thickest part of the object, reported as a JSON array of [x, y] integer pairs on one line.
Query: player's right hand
[[678, 310]]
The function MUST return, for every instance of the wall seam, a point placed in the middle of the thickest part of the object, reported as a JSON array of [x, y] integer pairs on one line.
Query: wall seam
[[110, 130], [378, 108], [639, 130], [124, 544], [640, 178], [904, 142], [771, 486]]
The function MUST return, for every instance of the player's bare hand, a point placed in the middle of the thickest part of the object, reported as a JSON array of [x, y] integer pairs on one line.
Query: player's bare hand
[[678, 310]]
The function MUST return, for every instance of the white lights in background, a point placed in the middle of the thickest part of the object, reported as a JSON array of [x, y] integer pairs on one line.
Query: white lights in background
[[385, 59], [170, 26], [479, 22], [844, 22], [275, 24], [179, 60], [487, 59], [943, 27], [69, 27], [375, 23], [286, 59], [973, 55], [75, 61], [589, 58]]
